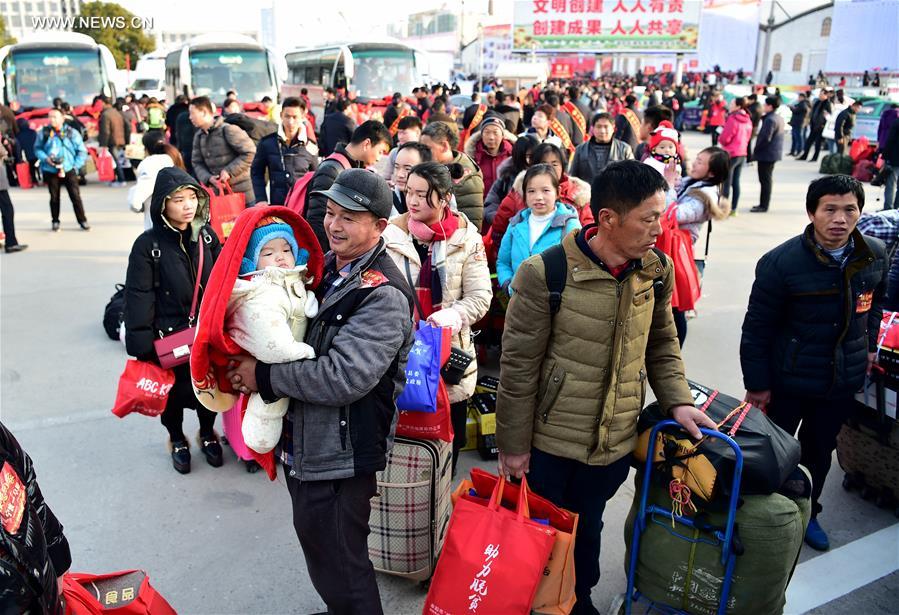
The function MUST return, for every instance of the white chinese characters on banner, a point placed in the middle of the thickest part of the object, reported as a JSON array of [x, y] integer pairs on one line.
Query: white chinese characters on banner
[[606, 25]]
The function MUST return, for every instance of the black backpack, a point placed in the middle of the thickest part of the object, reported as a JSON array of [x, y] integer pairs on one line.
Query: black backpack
[[256, 129], [555, 264], [114, 313]]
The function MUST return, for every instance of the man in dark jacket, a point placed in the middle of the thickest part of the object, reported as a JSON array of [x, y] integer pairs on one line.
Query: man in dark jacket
[[221, 152], [114, 135], [171, 117], [798, 122], [336, 128], [844, 125], [283, 155], [367, 144], [511, 115], [810, 332], [821, 110], [34, 553], [754, 108], [467, 177], [769, 149], [343, 403], [627, 124], [591, 158]]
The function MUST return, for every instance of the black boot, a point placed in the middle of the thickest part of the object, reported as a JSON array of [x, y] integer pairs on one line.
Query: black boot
[[181, 456], [212, 450]]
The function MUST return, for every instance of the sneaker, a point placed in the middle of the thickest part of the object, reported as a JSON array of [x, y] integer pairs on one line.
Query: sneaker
[[16, 248], [55, 227], [181, 456], [84, 226], [815, 536], [758, 209], [212, 450], [733, 213]]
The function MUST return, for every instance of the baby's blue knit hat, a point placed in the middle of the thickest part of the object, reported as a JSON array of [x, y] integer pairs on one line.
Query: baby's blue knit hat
[[267, 229]]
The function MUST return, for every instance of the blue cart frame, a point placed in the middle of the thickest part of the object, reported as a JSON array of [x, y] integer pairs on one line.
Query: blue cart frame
[[725, 540]]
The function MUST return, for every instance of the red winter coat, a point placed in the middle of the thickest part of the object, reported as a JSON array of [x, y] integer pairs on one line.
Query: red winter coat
[[717, 113], [572, 191], [489, 163]]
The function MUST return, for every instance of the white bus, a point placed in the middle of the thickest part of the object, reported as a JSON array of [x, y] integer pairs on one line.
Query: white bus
[[372, 71], [48, 65], [212, 64]]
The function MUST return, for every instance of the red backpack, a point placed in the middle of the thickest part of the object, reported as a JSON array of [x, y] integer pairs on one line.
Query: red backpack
[[296, 197]]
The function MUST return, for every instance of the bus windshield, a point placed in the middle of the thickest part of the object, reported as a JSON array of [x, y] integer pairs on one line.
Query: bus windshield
[[35, 77], [246, 71], [381, 72]]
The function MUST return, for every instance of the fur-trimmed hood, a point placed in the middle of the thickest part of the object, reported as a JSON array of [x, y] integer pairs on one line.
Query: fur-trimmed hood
[[718, 206]]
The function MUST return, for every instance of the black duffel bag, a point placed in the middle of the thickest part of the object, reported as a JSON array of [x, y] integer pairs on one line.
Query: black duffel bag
[[769, 453]]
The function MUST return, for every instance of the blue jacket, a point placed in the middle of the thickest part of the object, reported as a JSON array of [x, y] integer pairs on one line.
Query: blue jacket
[[516, 244], [274, 154], [66, 146], [769, 145]]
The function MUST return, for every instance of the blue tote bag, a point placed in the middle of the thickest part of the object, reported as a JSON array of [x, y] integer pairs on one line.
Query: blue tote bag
[[422, 371]]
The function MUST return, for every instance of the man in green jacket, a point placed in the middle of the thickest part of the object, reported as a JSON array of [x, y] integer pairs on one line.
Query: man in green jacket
[[468, 180], [573, 383]]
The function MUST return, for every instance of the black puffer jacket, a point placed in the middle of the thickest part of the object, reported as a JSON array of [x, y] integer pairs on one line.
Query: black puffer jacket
[[811, 323], [33, 549], [151, 309]]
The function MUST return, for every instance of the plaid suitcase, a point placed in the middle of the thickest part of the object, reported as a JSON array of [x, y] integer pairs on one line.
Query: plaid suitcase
[[411, 511]]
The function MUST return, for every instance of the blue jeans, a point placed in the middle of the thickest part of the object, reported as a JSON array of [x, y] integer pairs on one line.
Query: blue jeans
[[891, 194], [733, 181], [797, 146], [583, 489]]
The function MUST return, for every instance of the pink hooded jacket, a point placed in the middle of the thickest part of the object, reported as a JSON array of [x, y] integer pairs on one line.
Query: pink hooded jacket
[[735, 136]]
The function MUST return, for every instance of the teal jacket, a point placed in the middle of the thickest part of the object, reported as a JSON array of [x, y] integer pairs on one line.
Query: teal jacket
[[66, 146], [516, 244]]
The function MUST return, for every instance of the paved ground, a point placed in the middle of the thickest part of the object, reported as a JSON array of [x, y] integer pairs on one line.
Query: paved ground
[[220, 540]]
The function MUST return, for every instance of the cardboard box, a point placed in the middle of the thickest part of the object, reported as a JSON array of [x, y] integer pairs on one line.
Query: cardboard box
[[484, 407], [471, 433]]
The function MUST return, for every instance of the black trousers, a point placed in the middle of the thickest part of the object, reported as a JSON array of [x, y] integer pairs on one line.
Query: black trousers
[[459, 415], [816, 138], [766, 181], [7, 213], [680, 323], [819, 421], [583, 489], [331, 521], [180, 397], [71, 182]]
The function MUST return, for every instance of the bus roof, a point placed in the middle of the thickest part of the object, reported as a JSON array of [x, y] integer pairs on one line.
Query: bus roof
[[384, 43], [56, 39]]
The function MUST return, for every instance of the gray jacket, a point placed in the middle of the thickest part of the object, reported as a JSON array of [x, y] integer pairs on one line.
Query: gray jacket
[[585, 163], [224, 147], [343, 402]]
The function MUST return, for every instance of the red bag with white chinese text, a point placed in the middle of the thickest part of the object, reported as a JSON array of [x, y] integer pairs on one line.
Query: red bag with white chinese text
[[143, 388], [118, 593], [492, 560]]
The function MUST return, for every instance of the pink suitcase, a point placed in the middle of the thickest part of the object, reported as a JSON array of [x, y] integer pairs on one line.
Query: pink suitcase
[[231, 421]]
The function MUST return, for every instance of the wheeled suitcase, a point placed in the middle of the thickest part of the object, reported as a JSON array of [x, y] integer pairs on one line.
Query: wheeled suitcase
[[868, 449], [410, 513]]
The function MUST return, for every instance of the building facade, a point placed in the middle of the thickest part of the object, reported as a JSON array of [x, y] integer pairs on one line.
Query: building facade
[[798, 47]]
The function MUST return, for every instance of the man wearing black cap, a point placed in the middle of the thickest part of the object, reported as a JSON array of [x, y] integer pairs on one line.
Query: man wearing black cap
[[343, 403]]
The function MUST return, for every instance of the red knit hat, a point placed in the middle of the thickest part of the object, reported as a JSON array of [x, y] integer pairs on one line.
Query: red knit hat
[[665, 132]]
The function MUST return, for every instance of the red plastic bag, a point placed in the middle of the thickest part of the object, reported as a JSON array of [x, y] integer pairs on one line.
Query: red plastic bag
[[224, 207], [431, 425], [678, 245], [105, 165], [492, 560], [23, 173], [118, 593], [143, 388], [859, 149]]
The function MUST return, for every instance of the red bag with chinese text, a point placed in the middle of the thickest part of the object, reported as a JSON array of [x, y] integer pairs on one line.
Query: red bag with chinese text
[[492, 560], [224, 207], [118, 593], [143, 388]]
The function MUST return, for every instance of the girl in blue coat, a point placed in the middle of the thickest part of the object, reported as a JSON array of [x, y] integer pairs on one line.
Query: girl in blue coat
[[542, 224]]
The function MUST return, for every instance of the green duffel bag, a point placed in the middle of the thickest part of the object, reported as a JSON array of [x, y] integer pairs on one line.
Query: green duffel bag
[[836, 164], [689, 576]]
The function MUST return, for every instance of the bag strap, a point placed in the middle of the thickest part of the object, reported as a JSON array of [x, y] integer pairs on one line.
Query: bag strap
[[412, 287], [155, 254], [193, 303], [658, 284], [708, 238], [555, 265]]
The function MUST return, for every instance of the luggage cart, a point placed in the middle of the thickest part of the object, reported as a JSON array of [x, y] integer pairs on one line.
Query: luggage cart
[[657, 514]]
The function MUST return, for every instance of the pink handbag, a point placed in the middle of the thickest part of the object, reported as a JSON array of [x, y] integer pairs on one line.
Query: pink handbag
[[174, 349]]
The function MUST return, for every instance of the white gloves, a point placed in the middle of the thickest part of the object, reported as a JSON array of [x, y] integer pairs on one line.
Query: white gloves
[[447, 317]]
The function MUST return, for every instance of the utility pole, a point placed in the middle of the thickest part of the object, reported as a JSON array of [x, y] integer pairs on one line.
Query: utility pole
[[763, 67]]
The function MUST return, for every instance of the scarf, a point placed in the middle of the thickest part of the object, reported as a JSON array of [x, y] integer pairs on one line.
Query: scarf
[[432, 277]]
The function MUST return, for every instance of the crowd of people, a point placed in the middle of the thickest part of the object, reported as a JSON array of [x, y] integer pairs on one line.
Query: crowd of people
[[413, 215]]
